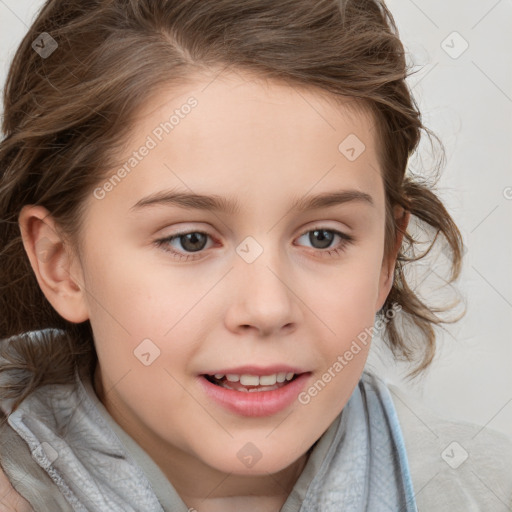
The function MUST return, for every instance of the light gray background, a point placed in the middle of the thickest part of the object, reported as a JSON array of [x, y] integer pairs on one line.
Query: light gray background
[[467, 101]]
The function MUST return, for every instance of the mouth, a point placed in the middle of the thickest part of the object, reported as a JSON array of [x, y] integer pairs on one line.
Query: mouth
[[255, 394], [252, 383]]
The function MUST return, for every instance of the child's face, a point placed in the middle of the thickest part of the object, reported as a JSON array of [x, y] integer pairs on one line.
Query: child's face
[[295, 305]]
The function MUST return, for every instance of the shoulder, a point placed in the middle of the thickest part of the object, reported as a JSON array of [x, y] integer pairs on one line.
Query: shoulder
[[25, 475], [454, 465]]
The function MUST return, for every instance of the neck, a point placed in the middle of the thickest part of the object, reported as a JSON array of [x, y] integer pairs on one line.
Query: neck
[[233, 493], [200, 486]]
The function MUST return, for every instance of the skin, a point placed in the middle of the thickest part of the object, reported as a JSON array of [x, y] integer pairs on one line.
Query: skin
[[265, 144], [10, 500]]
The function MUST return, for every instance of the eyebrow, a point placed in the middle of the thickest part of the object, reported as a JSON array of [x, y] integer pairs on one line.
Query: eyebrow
[[232, 206]]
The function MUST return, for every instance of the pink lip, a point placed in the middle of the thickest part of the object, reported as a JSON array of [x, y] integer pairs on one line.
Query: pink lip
[[258, 403], [257, 370]]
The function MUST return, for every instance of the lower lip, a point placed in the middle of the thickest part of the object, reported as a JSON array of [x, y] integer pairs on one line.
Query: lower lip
[[257, 403]]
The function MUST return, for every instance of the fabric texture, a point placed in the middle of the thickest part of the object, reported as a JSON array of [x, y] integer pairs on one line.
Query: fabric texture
[[455, 465], [359, 463]]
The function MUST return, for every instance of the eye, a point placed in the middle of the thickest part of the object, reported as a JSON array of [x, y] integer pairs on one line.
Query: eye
[[323, 239], [195, 241], [191, 241]]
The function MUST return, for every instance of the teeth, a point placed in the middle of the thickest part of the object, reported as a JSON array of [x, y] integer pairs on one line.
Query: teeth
[[249, 380], [268, 380], [255, 380], [259, 389]]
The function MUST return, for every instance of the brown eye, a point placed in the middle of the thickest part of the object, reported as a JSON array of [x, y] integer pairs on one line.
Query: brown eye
[[324, 237], [322, 240], [193, 241], [183, 245]]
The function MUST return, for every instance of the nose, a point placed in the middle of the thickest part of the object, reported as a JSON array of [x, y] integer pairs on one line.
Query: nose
[[262, 296]]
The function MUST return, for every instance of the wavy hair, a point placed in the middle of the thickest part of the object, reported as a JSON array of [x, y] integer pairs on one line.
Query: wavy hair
[[67, 113]]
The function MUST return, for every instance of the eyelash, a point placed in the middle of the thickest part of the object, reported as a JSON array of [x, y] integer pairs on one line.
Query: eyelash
[[163, 243]]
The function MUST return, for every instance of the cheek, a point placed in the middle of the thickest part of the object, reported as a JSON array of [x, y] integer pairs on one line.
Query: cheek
[[346, 309], [131, 302], [124, 289], [345, 305], [348, 294]]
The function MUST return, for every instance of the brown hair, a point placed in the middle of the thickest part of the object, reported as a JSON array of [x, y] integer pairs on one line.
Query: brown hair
[[67, 113]]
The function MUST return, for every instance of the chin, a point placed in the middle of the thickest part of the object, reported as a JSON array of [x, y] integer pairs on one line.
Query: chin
[[249, 460]]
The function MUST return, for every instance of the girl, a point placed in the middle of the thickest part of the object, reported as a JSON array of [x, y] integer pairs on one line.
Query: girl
[[205, 215]]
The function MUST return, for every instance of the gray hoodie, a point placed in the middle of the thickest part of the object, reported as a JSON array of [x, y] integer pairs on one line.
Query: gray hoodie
[[62, 451]]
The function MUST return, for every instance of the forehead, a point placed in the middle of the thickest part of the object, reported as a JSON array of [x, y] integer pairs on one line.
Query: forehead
[[252, 137]]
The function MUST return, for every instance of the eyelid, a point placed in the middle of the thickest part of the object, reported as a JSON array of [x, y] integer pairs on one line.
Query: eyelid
[[345, 230], [316, 226], [345, 237], [164, 243]]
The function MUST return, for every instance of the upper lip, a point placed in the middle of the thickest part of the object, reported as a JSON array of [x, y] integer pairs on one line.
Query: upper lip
[[257, 370]]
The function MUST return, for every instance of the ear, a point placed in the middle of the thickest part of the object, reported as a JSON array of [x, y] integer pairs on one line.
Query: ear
[[387, 274], [57, 271]]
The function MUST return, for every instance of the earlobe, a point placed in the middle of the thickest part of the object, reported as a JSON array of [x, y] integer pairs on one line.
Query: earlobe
[[58, 274], [402, 218]]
